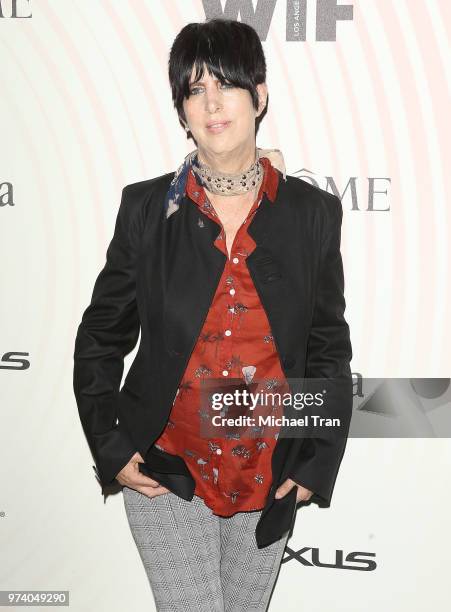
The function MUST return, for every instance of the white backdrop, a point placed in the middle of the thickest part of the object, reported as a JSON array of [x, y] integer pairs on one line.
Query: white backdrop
[[84, 104]]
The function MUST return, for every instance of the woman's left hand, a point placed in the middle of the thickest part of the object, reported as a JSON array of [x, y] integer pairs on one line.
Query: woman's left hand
[[302, 494]]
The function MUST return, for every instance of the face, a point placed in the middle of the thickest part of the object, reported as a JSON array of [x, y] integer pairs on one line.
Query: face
[[221, 117]]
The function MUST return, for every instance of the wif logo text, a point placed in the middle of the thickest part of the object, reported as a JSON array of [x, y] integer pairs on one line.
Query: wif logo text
[[327, 13]]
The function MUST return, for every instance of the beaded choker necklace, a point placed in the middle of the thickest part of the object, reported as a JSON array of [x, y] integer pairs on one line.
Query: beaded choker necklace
[[229, 184]]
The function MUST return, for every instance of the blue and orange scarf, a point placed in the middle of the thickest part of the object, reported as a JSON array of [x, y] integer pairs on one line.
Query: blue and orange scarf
[[177, 188]]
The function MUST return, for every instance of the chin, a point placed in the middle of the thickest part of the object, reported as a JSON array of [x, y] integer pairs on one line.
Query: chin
[[216, 145]]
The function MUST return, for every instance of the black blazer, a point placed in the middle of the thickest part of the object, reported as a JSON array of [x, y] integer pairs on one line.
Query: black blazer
[[160, 277]]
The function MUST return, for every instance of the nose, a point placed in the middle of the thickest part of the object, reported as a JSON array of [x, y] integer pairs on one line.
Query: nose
[[212, 99]]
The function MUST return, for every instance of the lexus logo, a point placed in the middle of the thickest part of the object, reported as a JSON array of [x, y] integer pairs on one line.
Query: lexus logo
[[359, 561]]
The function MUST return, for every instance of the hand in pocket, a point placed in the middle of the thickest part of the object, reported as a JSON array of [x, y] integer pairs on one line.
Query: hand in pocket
[[131, 477]]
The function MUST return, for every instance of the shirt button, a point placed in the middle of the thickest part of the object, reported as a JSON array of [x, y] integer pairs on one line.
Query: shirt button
[[228, 332], [225, 373], [232, 291], [235, 260], [218, 451]]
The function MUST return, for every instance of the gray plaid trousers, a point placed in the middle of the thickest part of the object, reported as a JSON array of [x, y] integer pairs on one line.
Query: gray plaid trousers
[[197, 561]]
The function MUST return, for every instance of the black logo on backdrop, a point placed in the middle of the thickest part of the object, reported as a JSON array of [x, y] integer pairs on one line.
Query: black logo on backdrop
[[15, 9], [12, 361], [6, 194], [374, 190], [308, 556]]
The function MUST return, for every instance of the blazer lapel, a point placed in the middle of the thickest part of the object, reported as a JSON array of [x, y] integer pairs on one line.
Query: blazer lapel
[[193, 268], [268, 228]]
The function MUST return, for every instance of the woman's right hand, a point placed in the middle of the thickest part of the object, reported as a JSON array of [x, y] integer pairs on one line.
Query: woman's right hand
[[131, 477]]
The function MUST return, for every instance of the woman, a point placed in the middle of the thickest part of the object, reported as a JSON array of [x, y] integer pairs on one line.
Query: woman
[[233, 273]]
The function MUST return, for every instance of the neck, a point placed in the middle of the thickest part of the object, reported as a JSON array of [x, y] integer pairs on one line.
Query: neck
[[229, 162]]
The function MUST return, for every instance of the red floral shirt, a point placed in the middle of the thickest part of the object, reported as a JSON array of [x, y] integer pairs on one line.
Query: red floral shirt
[[231, 474]]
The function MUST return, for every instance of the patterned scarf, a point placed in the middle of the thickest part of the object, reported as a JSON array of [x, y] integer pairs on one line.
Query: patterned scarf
[[177, 187]]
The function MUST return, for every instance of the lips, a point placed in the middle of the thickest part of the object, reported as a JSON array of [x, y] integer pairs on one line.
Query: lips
[[216, 127]]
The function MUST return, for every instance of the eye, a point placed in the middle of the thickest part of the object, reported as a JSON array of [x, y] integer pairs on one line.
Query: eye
[[195, 90]]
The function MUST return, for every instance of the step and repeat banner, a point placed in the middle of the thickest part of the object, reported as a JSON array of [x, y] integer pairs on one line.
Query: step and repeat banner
[[359, 98]]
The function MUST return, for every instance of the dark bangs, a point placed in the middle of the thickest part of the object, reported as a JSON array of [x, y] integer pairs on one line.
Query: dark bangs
[[231, 50]]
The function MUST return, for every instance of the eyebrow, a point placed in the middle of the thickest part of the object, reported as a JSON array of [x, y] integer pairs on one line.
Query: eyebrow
[[202, 83]]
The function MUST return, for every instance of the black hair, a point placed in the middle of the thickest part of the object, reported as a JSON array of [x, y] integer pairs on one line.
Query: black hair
[[232, 52]]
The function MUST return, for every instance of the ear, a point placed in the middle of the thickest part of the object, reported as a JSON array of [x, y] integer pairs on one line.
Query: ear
[[262, 90]]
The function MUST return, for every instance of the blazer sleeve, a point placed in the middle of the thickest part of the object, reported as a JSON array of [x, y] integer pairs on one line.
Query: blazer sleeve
[[108, 331], [329, 353]]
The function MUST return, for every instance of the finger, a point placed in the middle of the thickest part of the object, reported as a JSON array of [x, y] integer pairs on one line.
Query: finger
[[303, 494], [284, 489], [160, 491], [154, 492], [144, 481]]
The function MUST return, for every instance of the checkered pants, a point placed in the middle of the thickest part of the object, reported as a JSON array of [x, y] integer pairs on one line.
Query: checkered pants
[[197, 561]]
